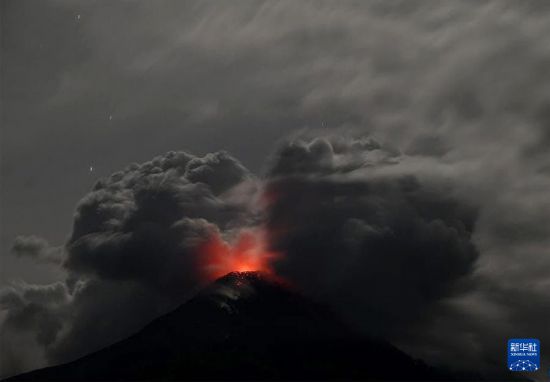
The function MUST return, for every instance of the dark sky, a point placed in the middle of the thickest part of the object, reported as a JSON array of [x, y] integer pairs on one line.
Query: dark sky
[[456, 94]]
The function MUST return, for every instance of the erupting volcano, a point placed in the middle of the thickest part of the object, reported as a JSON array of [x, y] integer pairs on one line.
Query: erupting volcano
[[249, 252]]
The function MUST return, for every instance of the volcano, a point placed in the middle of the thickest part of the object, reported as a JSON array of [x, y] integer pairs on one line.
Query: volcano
[[244, 326]]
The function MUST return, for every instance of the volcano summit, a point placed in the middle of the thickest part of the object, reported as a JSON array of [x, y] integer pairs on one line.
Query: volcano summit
[[245, 325]]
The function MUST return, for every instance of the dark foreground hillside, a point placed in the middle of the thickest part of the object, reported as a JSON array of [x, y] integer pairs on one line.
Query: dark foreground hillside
[[244, 326]]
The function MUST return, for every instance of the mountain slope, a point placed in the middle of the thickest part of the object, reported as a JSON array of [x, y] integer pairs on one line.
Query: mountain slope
[[243, 326]]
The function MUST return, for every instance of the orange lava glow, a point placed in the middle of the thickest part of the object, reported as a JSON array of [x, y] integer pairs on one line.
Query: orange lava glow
[[248, 253]]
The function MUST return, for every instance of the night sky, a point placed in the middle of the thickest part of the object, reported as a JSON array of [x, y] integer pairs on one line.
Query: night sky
[[391, 158]]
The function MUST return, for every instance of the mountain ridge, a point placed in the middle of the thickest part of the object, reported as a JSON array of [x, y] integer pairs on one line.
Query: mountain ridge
[[244, 326]]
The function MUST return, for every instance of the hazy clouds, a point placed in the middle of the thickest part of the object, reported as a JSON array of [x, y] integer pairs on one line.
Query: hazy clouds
[[446, 103], [369, 237]]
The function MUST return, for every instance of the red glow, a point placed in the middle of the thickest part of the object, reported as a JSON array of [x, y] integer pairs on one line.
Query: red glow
[[248, 253]]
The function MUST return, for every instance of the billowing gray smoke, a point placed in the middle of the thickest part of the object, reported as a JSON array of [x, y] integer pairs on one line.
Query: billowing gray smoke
[[166, 207], [131, 257], [376, 242], [439, 242], [390, 240], [381, 245]]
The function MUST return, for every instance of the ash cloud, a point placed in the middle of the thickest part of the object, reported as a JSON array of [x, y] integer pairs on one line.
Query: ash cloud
[[143, 223], [395, 242], [130, 258], [460, 88], [31, 320], [37, 248], [380, 245], [423, 250]]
